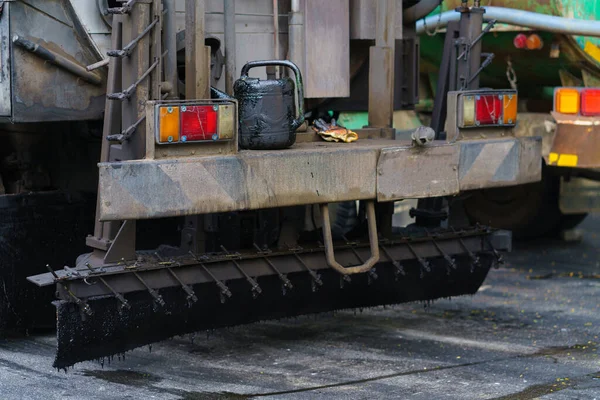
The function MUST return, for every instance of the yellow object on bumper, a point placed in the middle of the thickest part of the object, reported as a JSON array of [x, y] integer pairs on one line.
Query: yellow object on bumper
[[337, 134]]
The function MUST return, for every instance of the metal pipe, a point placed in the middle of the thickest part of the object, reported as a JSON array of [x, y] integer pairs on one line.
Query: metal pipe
[[275, 30], [58, 60], [230, 73], [296, 35], [170, 34], [420, 10], [528, 19]]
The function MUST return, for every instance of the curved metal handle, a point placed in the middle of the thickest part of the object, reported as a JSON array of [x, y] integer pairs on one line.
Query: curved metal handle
[[299, 85], [373, 242]]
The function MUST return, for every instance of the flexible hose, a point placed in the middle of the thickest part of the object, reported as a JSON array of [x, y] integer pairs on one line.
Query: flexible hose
[[420, 10]]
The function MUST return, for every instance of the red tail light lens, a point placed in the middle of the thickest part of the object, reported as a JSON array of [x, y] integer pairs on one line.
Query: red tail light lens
[[520, 41], [198, 123], [488, 109], [590, 102]]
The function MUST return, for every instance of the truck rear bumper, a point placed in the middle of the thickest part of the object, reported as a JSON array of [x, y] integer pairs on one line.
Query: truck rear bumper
[[310, 173]]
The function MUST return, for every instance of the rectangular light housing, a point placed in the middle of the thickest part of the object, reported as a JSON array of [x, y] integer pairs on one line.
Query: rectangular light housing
[[195, 121], [567, 100], [487, 108]]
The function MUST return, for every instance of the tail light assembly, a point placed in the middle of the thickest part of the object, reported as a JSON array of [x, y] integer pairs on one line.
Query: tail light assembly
[[487, 108], [191, 122], [577, 101]]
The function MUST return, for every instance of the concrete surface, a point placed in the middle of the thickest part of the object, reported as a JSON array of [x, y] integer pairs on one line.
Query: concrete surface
[[531, 332]]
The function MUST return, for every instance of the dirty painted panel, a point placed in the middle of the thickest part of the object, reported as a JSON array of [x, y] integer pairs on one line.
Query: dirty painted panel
[[93, 23], [254, 30], [495, 163], [576, 142], [363, 19], [54, 9], [417, 172], [5, 103], [250, 180], [42, 91], [327, 43]]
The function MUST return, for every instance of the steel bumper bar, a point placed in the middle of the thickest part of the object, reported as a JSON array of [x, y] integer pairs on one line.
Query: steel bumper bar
[[310, 173]]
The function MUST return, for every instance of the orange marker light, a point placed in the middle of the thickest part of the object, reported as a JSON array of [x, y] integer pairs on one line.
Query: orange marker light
[[566, 101], [168, 124], [510, 109], [534, 42]]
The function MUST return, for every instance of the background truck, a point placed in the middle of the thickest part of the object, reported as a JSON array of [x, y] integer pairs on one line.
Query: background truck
[[537, 56], [199, 223]]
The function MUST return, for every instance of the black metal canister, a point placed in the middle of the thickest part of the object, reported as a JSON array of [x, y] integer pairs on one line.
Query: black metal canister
[[267, 108]]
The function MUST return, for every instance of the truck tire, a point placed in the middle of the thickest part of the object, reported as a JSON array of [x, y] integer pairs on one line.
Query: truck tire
[[529, 211]]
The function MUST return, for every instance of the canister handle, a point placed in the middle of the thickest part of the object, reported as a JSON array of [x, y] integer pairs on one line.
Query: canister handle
[[299, 85]]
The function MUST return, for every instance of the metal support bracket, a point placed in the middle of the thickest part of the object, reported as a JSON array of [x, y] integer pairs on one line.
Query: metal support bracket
[[373, 242], [256, 290], [225, 292], [284, 279], [127, 50]]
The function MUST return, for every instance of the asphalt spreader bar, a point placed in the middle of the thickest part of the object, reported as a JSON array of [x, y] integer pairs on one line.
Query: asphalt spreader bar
[[113, 329]]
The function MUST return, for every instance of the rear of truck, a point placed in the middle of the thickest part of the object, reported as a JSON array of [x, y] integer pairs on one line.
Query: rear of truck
[[549, 52], [200, 233]]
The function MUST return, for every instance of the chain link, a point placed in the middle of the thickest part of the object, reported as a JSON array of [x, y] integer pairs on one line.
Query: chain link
[[511, 75], [437, 29]]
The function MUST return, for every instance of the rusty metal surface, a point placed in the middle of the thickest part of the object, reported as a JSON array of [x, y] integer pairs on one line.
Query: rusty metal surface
[[417, 172], [45, 92], [576, 142], [537, 124], [308, 173], [311, 173], [5, 97]]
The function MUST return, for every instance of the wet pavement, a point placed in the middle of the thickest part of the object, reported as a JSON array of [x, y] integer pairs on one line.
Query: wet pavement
[[531, 332]]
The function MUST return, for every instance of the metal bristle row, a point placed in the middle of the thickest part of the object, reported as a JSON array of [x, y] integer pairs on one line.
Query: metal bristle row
[[113, 329]]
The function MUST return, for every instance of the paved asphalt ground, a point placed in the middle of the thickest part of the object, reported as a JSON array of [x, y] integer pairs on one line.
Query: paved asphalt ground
[[531, 332]]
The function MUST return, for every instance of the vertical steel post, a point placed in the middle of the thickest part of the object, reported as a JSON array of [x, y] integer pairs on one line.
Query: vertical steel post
[[471, 21], [105, 231], [381, 66], [276, 35], [230, 48], [197, 86], [197, 64], [170, 40], [296, 35]]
